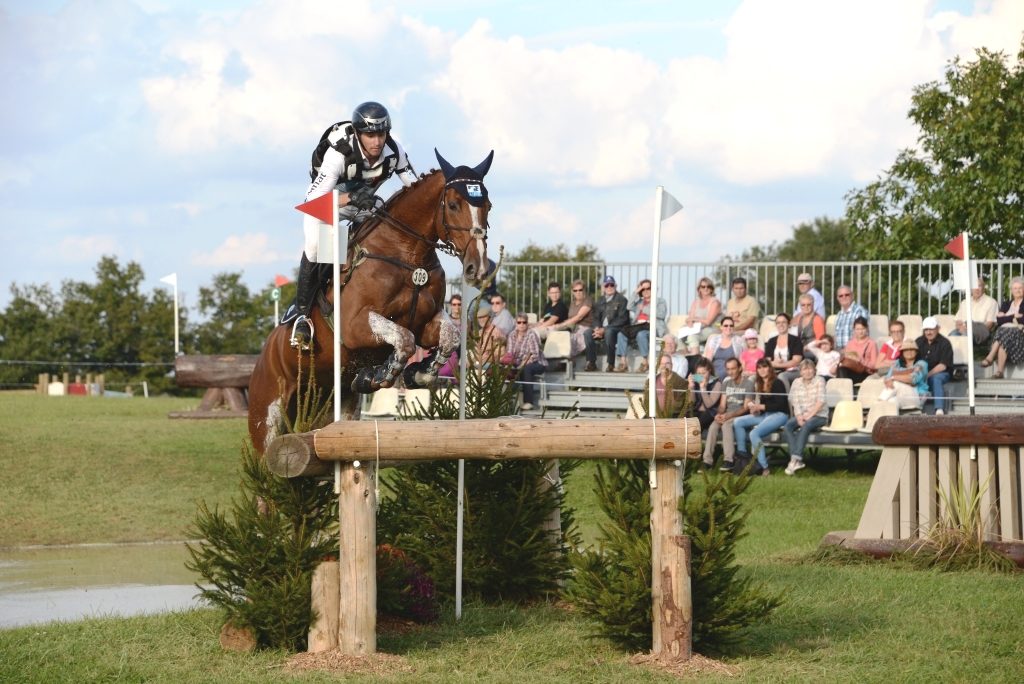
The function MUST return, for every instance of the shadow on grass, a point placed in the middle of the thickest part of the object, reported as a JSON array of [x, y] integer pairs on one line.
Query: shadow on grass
[[478, 621]]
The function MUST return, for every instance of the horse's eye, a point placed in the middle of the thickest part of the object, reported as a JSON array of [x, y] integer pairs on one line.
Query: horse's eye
[[453, 205]]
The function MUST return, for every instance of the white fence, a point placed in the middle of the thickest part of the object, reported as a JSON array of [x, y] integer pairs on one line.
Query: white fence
[[883, 287]]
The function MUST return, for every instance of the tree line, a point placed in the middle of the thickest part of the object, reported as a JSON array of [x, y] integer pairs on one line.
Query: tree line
[[111, 326]]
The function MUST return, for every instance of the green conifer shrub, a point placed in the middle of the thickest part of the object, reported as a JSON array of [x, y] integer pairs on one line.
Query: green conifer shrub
[[612, 583]]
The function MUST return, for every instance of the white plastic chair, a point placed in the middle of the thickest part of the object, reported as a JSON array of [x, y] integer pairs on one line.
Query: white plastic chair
[[847, 417], [912, 325], [870, 389], [383, 403], [557, 345], [417, 399], [947, 323], [878, 325], [876, 411], [636, 406], [830, 325], [838, 389]]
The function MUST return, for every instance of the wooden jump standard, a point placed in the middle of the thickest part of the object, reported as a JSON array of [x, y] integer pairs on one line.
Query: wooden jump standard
[[923, 456], [345, 593], [225, 377]]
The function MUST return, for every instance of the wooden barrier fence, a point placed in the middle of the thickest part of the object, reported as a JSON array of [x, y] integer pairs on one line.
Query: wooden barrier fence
[[923, 456], [225, 378], [345, 592]]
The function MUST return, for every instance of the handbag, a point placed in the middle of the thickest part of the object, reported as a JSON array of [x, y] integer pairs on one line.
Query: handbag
[[852, 364]]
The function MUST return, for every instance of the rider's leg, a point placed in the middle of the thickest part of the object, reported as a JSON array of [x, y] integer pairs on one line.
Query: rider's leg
[[306, 287]]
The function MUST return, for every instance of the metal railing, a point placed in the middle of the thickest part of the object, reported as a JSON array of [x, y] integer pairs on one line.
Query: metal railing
[[882, 287]]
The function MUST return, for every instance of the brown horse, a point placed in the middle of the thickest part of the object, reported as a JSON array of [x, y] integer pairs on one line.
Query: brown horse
[[391, 301]]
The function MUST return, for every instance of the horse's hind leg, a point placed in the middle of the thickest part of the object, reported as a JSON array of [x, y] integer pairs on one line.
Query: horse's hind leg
[[403, 344]]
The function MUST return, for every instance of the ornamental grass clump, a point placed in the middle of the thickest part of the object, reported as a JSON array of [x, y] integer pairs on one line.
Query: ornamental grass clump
[[957, 540]]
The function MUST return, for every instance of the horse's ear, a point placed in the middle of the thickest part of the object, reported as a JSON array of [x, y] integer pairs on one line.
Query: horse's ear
[[485, 165], [447, 169]]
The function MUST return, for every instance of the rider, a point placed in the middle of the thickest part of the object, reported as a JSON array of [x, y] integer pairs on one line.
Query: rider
[[357, 157]]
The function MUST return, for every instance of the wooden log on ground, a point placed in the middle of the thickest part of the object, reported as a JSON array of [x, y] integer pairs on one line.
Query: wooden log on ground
[[223, 370], [323, 634], [993, 430], [672, 603]]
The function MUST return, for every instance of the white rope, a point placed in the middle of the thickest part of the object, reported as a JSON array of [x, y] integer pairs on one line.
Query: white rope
[[652, 472]]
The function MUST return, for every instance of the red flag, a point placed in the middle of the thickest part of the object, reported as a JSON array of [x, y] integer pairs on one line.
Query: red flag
[[281, 281], [956, 246], [320, 208]]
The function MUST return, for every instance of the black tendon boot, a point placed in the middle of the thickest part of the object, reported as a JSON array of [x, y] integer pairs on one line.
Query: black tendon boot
[[309, 282]]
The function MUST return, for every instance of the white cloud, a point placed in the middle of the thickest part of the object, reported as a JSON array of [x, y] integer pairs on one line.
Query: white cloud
[[238, 251], [87, 248], [550, 219]]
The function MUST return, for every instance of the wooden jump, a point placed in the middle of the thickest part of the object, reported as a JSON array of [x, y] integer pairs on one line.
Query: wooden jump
[[923, 456], [225, 378], [348, 616]]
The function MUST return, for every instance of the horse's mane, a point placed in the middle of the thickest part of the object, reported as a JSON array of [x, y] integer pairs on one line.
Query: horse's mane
[[405, 189]]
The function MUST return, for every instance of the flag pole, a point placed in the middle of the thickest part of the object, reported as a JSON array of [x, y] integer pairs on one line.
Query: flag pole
[[177, 345], [336, 293], [970, 322], [459, 498], [652, 315]]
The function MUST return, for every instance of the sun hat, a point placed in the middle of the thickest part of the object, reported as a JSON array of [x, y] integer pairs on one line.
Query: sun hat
[[908, 344], [750, 334]]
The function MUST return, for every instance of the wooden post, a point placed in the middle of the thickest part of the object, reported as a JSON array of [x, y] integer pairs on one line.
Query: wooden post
[[357, 509], [323, 634], [670, 568], [552, 480]]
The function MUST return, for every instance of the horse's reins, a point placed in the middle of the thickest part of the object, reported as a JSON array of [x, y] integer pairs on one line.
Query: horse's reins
[[446, 245]]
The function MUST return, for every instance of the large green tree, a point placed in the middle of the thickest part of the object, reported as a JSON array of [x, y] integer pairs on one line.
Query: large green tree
[[526, 288], [236, 320], [967, 172]]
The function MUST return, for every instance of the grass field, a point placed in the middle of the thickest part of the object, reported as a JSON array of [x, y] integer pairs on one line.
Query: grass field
[[87, 470]]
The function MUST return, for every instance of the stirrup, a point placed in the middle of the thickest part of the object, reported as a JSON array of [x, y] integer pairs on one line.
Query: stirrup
[[295, 341]]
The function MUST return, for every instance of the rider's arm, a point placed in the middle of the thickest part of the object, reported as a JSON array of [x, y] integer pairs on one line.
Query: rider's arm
[[403, 168]]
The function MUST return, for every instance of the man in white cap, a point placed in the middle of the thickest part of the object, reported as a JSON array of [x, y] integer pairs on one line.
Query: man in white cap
[[805, 283], [937, 352]]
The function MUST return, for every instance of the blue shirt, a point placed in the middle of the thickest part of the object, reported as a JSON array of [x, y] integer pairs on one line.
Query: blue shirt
[[844, 323], [919, 379]]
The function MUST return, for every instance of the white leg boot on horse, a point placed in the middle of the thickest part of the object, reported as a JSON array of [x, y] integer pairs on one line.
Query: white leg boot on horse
[[369, 380]]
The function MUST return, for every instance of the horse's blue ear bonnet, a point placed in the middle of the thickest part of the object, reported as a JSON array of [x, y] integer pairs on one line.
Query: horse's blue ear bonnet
[[468, 182]]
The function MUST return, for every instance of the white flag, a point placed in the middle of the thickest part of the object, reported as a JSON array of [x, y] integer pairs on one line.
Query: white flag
[[171, 280], [669, 205]]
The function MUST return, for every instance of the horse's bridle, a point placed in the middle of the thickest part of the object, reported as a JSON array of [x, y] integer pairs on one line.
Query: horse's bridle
[[447, 244]]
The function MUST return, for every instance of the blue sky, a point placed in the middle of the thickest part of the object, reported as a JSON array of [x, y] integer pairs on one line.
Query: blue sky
[[177, 133]]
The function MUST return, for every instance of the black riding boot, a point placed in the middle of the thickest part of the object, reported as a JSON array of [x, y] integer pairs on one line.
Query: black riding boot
[[305, 295]]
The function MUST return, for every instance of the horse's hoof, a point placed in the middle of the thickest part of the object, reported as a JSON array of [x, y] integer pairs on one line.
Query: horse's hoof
[[415, 377], [363, 382]]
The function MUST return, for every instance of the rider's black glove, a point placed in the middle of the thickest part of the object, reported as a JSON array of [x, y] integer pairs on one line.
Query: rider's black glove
[[362, 198]]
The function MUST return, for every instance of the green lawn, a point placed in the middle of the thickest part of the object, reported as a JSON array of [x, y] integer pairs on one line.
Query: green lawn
[[86, 470]]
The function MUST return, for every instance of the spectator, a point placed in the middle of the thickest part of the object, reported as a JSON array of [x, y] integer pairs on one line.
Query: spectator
[[983, 314], [906, 381], [723, 346], [752, 353], [670, 389], [490, 344], [705, 310], [669, 346], [611, 315], [809, 325], [743, 309], [455, 311], [767, 412], [706, 392], [849, 311], [523, 351], [859, 358], [810, 413], [890, 349], [640, 315], [502, 319], [736, 390], [805, 283], [580, 321], [785, 351], [936, 351], [1008, 342], [555, 311], [826, 356]]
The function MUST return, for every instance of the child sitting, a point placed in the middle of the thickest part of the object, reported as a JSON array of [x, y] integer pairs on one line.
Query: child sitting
[[827, 356], [751, 354]]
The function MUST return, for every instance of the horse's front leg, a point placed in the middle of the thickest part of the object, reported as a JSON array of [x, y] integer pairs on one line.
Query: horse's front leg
[[403, 344]]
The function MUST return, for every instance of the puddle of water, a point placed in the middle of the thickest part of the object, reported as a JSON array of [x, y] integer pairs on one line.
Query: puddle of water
[[40, 585]]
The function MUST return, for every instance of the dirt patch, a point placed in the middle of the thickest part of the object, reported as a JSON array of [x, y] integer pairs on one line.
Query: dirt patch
[[379, 664], [696, 666]]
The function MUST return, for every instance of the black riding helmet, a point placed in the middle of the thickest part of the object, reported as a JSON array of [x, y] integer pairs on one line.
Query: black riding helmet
[[371, 117]]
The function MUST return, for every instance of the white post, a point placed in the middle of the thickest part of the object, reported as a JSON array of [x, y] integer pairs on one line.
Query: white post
[[652, 315], [336, 291], [459, 498], [177, 343], [971, 274]]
